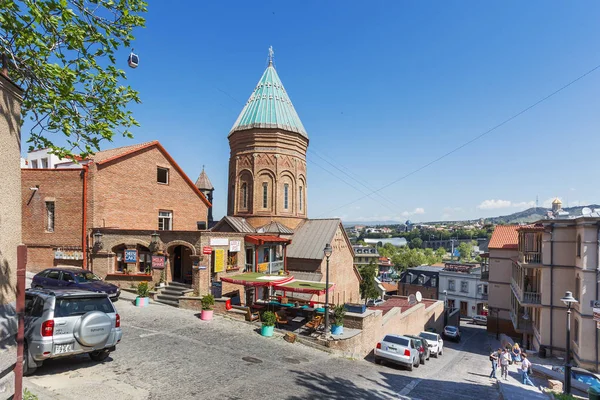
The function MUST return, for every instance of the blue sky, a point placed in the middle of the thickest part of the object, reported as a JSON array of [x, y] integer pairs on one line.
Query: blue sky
[[383, 88]]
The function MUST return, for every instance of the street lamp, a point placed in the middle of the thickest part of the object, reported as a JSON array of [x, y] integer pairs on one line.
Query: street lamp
[[327, 251], [568, 300], [97, 240]]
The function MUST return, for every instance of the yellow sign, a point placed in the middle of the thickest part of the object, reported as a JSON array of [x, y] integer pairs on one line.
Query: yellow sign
[[263, 267], [219, 260]]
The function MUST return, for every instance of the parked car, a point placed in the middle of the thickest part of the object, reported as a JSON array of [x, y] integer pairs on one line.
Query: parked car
[[398, 349], [422, 346], [434, 342], [74, 278], [581, 375], [66, 322], [452, 332], [479, 320], [375, 302]]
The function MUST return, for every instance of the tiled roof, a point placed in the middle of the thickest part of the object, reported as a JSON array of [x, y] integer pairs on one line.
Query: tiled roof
[[238, 224], [310, 238], [203, 183], [505, 237], [105, 155], [275, 227], [269, 106]]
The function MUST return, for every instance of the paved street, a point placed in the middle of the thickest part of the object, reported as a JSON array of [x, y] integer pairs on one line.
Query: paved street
[[170, 353]]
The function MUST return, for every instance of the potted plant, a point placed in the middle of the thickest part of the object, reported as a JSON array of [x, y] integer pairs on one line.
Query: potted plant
[[142, 292], [338, 320], [161, 282], [268, 323], [208, 302]]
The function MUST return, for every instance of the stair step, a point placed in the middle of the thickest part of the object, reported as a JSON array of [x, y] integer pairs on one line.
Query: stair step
[[168, 302], [180, 285], [168, 297], [172, 292]]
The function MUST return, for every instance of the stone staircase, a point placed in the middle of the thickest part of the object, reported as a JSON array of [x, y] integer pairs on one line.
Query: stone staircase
[[171, 293]]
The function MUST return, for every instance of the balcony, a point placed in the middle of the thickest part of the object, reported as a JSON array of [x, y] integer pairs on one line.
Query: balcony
[[485, 275], [525, 298], [521, 325], [266, 267], [530, 258]]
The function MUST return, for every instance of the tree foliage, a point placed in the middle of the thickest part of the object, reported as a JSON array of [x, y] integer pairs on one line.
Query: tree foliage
[[63, 54], [368, 286], [465, 250]]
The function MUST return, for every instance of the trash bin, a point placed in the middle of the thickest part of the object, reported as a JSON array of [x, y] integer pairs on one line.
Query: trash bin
[[594, 393], [542, 352]]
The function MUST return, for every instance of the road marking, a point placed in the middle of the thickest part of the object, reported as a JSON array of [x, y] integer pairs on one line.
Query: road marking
[[408, 388]]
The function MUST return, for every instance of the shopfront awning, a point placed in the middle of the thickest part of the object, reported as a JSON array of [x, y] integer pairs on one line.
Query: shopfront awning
[[257, 279], [299, 286], [259, 240]]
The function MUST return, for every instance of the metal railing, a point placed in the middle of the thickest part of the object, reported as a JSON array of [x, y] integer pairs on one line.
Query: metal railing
[[525, 297], [268, 267], [520, 324], [530, 257]]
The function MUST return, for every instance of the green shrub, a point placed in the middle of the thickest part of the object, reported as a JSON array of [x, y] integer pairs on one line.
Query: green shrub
[[208, 302], [27, 395], [143, 289], [339, 312], [268, 318]]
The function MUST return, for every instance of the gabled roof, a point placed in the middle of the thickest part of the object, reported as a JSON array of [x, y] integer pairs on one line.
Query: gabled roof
[[106, 156], [238, 224], [275, 227], [269, 106], [505, 237], [203, 183], [310, 238]]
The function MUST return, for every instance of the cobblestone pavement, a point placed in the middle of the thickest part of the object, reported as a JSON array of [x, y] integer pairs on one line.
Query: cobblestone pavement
[[168, 353]]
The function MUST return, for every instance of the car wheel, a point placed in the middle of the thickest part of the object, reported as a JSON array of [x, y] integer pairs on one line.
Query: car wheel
[[28, 367], [417, 363], [440, 352], [99, 355], [411, 366], [377, 360]]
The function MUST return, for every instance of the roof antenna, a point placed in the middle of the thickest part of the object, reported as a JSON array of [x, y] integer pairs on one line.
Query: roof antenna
[[271, 55]]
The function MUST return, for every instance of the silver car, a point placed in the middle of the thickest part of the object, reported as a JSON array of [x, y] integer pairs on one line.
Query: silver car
[[399, 350], [66, 322]]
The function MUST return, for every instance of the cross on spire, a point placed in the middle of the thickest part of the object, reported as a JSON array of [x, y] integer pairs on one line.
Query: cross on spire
[[271, 54]]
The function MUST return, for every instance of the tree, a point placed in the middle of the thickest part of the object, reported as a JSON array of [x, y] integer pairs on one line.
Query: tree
[[465, 250], [416, 243], [62, 53], [440, 252], [368, 286]]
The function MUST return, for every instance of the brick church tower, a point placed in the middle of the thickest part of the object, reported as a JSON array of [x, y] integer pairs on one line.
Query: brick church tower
[[267, 164]]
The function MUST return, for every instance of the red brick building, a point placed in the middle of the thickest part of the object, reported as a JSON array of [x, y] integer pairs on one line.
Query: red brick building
[[89, 216]]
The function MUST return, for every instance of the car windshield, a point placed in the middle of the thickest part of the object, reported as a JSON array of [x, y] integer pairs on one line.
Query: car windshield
[[85, 277], [451, 328], [429, 336], [66, 307], [396, 340]]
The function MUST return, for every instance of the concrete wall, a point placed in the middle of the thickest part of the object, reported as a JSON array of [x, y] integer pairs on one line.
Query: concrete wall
[[499, 291]]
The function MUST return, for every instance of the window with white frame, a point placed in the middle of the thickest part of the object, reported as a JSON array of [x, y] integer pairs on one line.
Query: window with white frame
[[165, 220], [44, 162], [286, 189], [464, 286], [50, 216], [451, 285], [34, 164], [433, 282], [162, 175]]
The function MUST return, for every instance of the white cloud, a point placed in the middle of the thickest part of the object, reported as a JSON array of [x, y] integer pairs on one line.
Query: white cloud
[[416, 211], [496, 204]]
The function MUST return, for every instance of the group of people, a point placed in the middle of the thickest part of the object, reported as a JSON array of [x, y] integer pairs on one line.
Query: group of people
[[507, 356]]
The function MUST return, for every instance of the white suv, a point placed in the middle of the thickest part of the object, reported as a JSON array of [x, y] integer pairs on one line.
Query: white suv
[[435, 343], [62, 323], [399, 350]]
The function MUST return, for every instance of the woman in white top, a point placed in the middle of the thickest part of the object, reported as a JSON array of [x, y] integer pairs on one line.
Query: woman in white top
[[525, 370]]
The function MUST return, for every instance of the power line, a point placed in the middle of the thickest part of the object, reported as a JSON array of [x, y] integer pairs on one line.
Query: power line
[[472, 140]]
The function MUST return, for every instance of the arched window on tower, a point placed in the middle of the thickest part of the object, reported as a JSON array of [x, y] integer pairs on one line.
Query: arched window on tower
[[265, 195], [244, 195], [301, 202], [286, 189], [578, 245]]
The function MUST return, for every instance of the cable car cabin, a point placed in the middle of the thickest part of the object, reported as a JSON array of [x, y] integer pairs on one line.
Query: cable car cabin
[[133, 60]]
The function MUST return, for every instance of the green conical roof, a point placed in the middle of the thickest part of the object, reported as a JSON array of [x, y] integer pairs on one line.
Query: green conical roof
[[269, 106]]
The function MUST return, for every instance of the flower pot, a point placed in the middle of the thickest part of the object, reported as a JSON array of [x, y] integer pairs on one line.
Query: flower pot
[[337, 329], [141, 301], [206, 315], [267, 330]]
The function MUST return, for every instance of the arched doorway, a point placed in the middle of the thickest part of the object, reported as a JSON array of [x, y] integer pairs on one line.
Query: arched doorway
[[181, 263]]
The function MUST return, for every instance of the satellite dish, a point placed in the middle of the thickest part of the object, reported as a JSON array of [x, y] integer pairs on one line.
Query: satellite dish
[[419, 297], [586, 211]]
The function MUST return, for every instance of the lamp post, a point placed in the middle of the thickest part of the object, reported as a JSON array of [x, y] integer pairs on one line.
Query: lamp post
[[327, 251], [568, 300], [97, 240]]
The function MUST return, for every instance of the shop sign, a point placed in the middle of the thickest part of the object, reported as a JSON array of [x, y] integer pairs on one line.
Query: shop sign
[[219, 241], [263, 267], [219, 260], [158, 262], [130, 256], [235, 245], [60, 254], [207, 250], [597, 314]]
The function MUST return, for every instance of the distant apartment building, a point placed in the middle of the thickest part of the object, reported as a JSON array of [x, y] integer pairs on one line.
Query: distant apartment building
[[385, 266], [42, 159], [462, 288], [364, 255], [424, 279]]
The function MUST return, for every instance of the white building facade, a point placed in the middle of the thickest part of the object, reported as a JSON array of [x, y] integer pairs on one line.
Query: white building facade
[[461, 287]]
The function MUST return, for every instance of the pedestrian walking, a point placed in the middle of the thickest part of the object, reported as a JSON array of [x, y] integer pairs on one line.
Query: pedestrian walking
[[494, 360], [526, 370], [504, 360]]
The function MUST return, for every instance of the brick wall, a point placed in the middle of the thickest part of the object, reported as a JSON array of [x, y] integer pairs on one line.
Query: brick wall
[[126, 194], [406, 289]]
